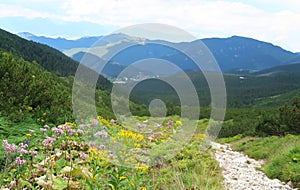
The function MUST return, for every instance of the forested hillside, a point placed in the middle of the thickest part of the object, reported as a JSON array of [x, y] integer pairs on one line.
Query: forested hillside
[[49, 58]]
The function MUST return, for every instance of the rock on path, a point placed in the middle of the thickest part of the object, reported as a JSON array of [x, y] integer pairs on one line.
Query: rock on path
[[240, 173]]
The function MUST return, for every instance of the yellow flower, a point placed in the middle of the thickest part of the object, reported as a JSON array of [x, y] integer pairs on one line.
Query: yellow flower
[[178, 122], [29, 108], [141, 167], [13, 170], [28, 135], [143, 188]]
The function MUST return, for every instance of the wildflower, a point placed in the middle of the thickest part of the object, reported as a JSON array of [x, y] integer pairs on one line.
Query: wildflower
[[79, 131], [22, 145], [95, 122], [141, 126], [48, 141], [178, 122], [112, 121], [22, 151], [101, 134], [159, 125], [104, 127], [31, 131], [102, 146], [46, 127], [82, 155], [19, 161], [9, 148], [81, 126], [29, 108], [43, 129], [58, 131], [71, 131], [33, 152], [170, 123]]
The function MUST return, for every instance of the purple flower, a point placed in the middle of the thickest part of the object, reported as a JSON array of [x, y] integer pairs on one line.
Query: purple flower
[[19, 161], [101, 134], [104, 127], [48, 141], [82, 155], [31, 131], [102, 146]]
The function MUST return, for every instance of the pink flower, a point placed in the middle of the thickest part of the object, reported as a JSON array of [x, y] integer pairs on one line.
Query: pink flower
[[48, 141], [43, 129], [46, 127], [19, 161], [58, 131], [95, 122], [101, 134], [112, 121], [33, 152], [79, 131], [22, 151], [23, 145], [82, 155], [31, 131], [9, 148]]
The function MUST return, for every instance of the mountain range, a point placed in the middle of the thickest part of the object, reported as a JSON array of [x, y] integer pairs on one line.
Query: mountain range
[[243, 89], [233, 54]]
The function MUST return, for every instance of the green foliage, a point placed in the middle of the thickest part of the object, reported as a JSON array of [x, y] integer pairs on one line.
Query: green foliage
[[289, 116], [26, 89], [287, 121]]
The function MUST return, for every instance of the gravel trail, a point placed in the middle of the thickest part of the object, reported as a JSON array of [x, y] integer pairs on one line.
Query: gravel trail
[[240, 173]]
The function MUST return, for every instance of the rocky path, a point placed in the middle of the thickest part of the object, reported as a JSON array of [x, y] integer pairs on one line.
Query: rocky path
[[240, 171]]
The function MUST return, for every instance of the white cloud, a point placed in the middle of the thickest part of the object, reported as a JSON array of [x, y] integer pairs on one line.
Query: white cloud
[[275, 21]]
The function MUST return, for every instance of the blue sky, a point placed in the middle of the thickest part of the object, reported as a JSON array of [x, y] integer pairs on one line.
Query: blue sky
[[274, 21]]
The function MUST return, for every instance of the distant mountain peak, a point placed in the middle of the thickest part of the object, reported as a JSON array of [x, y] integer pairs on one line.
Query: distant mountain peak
[[25, 34]]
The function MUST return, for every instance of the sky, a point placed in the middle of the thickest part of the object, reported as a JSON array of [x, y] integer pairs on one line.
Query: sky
[[274, 21]]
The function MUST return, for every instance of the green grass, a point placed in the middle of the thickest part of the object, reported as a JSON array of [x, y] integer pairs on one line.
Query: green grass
[[282, 155], [14, 132], [190, 169]]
